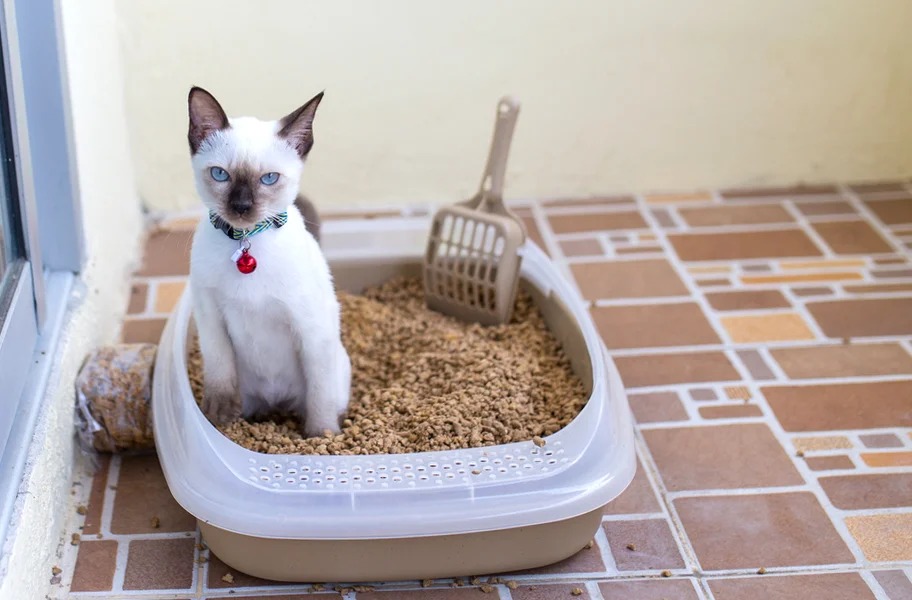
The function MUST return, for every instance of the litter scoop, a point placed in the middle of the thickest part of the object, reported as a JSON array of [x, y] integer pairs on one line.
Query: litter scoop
[[471, 267]]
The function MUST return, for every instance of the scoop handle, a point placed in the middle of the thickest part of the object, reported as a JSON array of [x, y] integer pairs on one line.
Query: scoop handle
[[491, 190]]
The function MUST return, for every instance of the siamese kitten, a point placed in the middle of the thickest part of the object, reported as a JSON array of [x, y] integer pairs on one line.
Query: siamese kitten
[[263, 298]]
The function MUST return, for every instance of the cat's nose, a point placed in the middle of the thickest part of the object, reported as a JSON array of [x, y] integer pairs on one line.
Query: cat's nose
[[241, 207]]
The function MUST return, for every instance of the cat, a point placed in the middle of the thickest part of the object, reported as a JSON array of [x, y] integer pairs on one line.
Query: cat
[[264, 303]]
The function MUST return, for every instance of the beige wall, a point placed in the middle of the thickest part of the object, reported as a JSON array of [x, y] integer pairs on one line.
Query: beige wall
[[632, 95], [113, 222]]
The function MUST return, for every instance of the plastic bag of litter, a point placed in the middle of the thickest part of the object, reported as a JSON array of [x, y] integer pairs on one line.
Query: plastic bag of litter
[[114, 399]]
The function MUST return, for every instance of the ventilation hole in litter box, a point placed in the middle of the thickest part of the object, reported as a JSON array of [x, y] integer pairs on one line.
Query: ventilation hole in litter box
[[501, 470], [395, 470], [397, 479], [482, 460], [343, 481], [330, 469], [370, 471], [383, 476], [435, 474], [343, 472], [514, 466], [289, 480], [523, 459], [318, 472], [527, 467], [488, 469], [461, 471], [536, 460], [371, 480], [305, 469], [330, 478], [407, 467], [317, 482], [277, 475], [356, 468], [264, 469], [292, 471], [381, 468], [356, 478], [447, 467], [549, 453], [421, 469], [432, 465], [303, 478], [450, 476], [458, 463], [423, 478], [552, 462], [276, 466], [508, 457], [497, 461], [264, 478]]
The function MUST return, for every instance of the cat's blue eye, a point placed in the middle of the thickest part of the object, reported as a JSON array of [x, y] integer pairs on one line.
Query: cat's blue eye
[[269, 178], [219, 174]]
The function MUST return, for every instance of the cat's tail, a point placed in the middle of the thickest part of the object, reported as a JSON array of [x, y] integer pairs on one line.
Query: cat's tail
[[311, 217]]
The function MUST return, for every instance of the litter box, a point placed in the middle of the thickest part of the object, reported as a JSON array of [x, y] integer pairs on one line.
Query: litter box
[[425, 515]]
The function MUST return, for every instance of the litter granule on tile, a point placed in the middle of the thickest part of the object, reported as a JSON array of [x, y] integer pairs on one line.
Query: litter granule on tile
[[422, 381]]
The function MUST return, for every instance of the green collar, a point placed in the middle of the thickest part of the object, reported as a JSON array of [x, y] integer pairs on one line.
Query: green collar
[[239, 234]]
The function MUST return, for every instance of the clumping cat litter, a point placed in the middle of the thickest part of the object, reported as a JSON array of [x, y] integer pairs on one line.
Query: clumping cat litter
[[433, 514]]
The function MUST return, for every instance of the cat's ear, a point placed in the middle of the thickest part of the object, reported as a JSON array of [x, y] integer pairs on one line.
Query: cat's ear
[[297, 127], [206, 117]]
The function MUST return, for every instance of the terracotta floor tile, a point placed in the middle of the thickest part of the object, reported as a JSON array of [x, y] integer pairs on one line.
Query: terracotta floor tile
[[720, 457], [667, 369], [663, 218], [627, 279], [587, 247], [599, 201], [142, 331], [428, 594], [852, 237], [657, 406], [887, 459], [825, 442], [878, 288], [818, 586], [160, 564], [801, 277], [743, 245], [880, 440], [218, 569], [842, 406], [730, 411], [167, 253], [863, 317], [892, 212], [747, 300], [890, 260], [832, 207], [829, 463], [167, 295], [878, 490], [780, 327], [639, 497], [805, 265], [812, 291], [855, 360], [269, 596], [883, 538], [587, 560], [762, 530], [654, 545], [738, 393], [755, 365], [867, 187], [891, 273], [674, 198], [638, 250], [761, 268], [679, 324], [95, 563], [605, 221], [714, 283], [92, 524], [648, 589], [894, 583], [549, 592], [747, 214], [142, 494], [703, 394], [534, 234], [786, 191], [137, 303]]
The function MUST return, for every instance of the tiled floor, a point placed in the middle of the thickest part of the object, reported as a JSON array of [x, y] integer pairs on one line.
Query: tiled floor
[[765, 338]]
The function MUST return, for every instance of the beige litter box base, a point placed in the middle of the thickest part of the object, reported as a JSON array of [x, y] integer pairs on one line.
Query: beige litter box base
[[435, 557]]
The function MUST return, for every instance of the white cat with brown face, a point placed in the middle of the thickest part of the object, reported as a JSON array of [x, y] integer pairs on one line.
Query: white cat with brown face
[[263, 298]]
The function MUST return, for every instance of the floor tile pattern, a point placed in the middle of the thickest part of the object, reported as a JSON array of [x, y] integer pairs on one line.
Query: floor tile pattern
[[765, 339]]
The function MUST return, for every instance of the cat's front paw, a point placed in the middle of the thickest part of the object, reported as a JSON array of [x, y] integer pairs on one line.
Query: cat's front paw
[[220, 407], [318, 427]]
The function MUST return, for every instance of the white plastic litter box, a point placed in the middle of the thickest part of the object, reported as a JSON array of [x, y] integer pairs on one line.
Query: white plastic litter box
[[407, 516]]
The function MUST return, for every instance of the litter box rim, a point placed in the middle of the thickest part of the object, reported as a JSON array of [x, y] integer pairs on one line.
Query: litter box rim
[[209, 478]]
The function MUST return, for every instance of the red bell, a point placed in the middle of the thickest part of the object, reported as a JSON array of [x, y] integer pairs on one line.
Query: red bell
[[246, 263]]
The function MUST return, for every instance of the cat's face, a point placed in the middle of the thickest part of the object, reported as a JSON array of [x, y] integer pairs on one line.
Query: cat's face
[[247, 170]]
